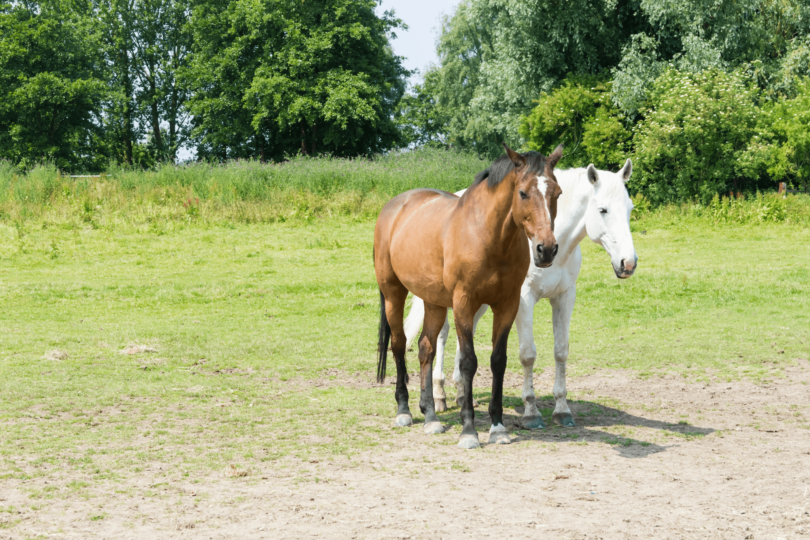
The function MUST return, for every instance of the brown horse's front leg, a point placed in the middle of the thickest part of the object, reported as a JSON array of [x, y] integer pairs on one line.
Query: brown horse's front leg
[[467, 365], [504, 317]]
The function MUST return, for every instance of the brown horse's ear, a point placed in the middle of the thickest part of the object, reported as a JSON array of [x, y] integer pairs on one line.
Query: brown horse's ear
[[516, 158], [555, 156]]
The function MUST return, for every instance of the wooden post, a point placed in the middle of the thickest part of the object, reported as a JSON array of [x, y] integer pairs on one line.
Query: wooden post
[[782, 187]]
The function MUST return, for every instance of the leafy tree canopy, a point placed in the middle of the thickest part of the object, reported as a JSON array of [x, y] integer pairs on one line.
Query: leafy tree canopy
[[498, 55], [51, 85], [273, 77]]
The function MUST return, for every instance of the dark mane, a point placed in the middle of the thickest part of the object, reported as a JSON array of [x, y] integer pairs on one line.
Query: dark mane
[[535, 161]]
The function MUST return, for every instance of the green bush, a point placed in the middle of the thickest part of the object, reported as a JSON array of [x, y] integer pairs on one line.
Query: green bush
[[783, 145], [580, 115], [696, 132]]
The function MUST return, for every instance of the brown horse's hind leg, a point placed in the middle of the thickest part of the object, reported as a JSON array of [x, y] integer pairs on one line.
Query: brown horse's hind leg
[[467, 365], [434, 321], [395, 296], [500, 337]]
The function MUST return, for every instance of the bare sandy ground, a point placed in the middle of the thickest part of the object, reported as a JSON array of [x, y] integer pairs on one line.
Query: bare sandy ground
[[739, 468]]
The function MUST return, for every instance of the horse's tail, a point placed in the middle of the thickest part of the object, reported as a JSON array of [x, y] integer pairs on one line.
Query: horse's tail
[[414, 321], [382, 344]]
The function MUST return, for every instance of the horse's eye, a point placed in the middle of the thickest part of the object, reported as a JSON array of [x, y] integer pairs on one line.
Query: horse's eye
[[523, 195], [603, 210]]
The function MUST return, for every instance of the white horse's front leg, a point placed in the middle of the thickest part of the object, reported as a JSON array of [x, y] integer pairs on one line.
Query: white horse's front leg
[[562, 308], [439, 397], [457, 359], [528, 354]]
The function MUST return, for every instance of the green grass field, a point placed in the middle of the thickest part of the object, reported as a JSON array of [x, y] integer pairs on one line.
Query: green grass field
[[245, 318], [264, 333]]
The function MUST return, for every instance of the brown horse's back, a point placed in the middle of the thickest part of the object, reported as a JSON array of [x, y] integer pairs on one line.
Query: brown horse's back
[[409, 246]]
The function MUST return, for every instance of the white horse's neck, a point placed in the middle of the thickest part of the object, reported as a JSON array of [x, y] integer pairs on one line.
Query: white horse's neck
[[569, 226]]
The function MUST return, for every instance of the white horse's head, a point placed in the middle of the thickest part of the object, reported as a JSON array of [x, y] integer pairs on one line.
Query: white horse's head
[[607, 219]]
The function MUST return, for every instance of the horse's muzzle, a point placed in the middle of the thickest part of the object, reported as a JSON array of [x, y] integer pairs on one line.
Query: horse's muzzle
[[545, 256], [627, 268]]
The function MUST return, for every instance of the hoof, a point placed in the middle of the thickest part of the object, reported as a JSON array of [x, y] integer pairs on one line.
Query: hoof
[[533, 422], [499, 435], [440, 405], [469, 442], [434, 428], [563, 419], [403, 420]]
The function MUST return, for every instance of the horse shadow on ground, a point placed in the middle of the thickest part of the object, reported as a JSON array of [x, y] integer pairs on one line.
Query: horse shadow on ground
[[589, 417]]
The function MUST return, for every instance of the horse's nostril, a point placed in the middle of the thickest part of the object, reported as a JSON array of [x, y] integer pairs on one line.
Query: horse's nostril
[[556, 247], [540, 248], [628, 266]]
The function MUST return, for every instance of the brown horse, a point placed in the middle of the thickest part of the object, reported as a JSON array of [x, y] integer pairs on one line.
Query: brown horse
[[463, 252]]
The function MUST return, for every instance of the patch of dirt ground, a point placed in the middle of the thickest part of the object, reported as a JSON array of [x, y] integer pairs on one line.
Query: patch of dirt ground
[[669, 460]]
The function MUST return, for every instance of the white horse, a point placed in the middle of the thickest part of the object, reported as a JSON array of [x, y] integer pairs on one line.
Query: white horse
[[593, 203]]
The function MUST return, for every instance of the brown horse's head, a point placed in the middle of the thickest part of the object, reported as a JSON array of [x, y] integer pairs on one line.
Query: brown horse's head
[[534, 203]]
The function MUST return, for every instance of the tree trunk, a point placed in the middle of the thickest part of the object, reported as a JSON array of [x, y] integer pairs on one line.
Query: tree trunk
[[127, 106], [314, 139], [173, 126], [303, 140], [155, 115], [260, 141], [173, 111], [52, 128]]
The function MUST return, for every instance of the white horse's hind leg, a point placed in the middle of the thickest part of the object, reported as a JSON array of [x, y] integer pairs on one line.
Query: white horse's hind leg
[[439, 397], [562, 308], [457, 359], [528, 354], [413, 324]]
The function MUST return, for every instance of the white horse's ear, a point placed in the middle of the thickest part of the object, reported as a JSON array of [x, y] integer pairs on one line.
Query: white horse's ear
[[593, 176], [627, 170]]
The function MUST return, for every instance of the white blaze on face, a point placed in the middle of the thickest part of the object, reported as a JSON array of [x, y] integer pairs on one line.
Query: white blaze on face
[[542, 185]]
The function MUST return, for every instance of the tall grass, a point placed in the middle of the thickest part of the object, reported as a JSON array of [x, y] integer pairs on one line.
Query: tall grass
[[303, 187], [756, 209], [300, 189]]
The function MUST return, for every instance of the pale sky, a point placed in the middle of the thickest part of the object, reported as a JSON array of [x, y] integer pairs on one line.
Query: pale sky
[[418, 43]]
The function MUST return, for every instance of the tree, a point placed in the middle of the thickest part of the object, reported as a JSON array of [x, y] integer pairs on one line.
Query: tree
[[51, 85], [420, 118], [161, 51], [117, 21], [765, 38], [272, 77], [497, 54], [464, 43]]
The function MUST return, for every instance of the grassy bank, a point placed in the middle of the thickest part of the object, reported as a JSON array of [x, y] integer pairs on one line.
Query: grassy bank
[[300, 190], [244, 192]]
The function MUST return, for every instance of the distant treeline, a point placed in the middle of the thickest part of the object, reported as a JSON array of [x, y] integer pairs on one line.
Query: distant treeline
[[84, 82], [707, 96]]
